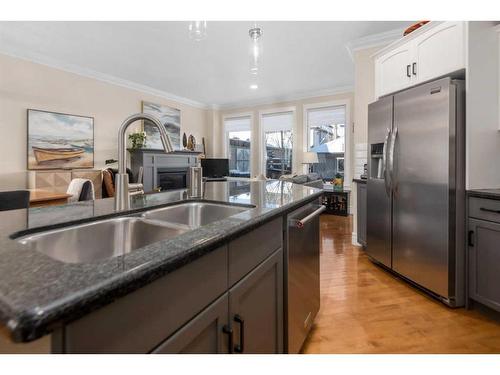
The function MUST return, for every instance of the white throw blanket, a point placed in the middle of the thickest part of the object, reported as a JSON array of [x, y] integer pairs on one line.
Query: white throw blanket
[[75, 189]]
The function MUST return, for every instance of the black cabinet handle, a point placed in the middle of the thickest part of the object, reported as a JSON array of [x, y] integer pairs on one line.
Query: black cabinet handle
[[471, 238], [490, 210], [241, 346], [414, 68], [228, 331], [408, 71]]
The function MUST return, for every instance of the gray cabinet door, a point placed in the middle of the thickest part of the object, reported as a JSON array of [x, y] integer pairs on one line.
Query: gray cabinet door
[[256, 308], [205, 334], [484, 263], [361, 211]]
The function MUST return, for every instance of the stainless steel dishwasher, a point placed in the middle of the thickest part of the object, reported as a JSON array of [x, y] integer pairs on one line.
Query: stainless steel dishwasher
[[302, 298]]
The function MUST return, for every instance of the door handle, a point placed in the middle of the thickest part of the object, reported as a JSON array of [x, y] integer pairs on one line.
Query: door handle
[[408, 74], [384, 163], [228, 331], [240, 348], [302, 222], [490, 210], [391, 157], [470, 238], [414, 68]]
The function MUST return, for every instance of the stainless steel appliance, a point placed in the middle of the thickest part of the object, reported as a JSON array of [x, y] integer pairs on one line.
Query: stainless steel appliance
[[302, 296], [195, 182], [416, 184]]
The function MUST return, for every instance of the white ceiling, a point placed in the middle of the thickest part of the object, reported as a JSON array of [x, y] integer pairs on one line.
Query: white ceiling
[[298, 57]]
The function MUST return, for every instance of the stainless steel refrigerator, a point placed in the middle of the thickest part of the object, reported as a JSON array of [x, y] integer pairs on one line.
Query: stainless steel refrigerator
[[415, 187]]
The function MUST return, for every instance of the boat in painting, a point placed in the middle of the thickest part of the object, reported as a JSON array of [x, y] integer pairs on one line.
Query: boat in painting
[[49, 154]]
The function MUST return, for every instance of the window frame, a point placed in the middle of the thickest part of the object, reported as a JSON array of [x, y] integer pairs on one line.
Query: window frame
[[226, 136], [348, 132], [262, 148]]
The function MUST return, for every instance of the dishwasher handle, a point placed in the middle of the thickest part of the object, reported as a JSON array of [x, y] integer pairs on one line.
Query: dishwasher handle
[[302, 222]]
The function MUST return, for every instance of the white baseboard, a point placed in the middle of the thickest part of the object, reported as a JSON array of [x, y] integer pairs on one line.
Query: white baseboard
[[354, 239]]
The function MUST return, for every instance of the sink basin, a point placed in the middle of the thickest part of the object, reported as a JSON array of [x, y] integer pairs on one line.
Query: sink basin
[[194, 214], [99, 240]]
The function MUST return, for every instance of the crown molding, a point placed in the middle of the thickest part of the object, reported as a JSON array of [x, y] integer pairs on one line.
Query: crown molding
[[375, 40], [89, 73], [286, 98], [41, 59]]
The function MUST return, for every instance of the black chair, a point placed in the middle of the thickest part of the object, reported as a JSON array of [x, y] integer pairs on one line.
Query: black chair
[[14, 200]]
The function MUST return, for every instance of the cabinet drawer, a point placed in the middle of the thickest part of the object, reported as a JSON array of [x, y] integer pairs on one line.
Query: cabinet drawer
[[486, 209], [249, 250], [139, 321]]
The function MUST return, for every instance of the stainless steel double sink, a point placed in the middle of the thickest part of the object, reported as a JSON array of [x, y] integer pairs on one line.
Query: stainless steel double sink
[[105, 239]]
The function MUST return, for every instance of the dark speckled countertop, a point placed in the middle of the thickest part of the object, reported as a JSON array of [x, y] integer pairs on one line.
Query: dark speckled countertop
[[38, 293], [484, 193], [360, 180]]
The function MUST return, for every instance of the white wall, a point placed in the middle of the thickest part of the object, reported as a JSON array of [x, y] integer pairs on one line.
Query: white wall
[[298, 130], [25, 85], [364, 94], [482, 112]]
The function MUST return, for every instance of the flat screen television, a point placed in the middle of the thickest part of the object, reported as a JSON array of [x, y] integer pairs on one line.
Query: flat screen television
[[215, 168]]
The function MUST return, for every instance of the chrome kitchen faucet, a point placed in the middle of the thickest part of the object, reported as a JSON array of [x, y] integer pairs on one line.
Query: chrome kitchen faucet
[[122, 199]]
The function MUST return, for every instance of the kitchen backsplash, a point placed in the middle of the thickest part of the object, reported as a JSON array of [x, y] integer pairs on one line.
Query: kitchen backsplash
[[360, 157]]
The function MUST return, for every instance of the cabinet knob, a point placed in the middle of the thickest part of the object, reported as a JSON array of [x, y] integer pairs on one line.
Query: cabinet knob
[[408, 74], [414, 68]]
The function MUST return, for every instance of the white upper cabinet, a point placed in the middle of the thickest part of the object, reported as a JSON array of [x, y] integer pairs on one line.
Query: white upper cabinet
[[440, 50], [393, 70], [433, 51]]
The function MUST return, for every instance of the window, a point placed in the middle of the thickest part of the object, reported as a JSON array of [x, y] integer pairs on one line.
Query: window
[[326, 137], [238, 135], [277, 132]]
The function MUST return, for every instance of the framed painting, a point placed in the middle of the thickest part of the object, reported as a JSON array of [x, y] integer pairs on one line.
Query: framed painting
[[59, 140], [171, 120]]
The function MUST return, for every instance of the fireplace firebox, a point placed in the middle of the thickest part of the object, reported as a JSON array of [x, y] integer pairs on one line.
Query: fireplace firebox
[[171, 178]]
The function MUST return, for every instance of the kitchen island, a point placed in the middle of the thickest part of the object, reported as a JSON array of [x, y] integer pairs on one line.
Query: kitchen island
[[142, 300]]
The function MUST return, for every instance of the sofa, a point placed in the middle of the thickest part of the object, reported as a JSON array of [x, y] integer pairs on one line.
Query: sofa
[[310, 179]]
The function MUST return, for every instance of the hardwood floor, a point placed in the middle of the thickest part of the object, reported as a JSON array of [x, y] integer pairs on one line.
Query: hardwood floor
[[365, 309]]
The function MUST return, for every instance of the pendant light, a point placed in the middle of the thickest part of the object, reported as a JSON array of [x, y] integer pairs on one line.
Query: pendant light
[[255, 49], [198, 30]]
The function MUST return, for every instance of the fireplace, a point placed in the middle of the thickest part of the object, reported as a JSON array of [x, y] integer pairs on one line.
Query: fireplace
[[161, 170], [171, 178]]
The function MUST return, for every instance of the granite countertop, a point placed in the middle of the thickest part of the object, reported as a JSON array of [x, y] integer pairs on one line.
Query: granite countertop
[[360, 180], [484, 193], [39, 293]]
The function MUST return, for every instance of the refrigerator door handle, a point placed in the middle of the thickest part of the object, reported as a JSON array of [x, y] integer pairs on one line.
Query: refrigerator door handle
[[394, 135], [387, 183]]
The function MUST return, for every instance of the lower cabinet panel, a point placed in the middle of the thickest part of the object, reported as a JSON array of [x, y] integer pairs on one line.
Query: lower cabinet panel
[[203, 335], [256, 308], [361, 211], [484, 263], [139, 321], [193, 309]]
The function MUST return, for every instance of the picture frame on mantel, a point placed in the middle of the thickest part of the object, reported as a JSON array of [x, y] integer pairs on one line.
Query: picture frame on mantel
[[59, 140], [170, 118]]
